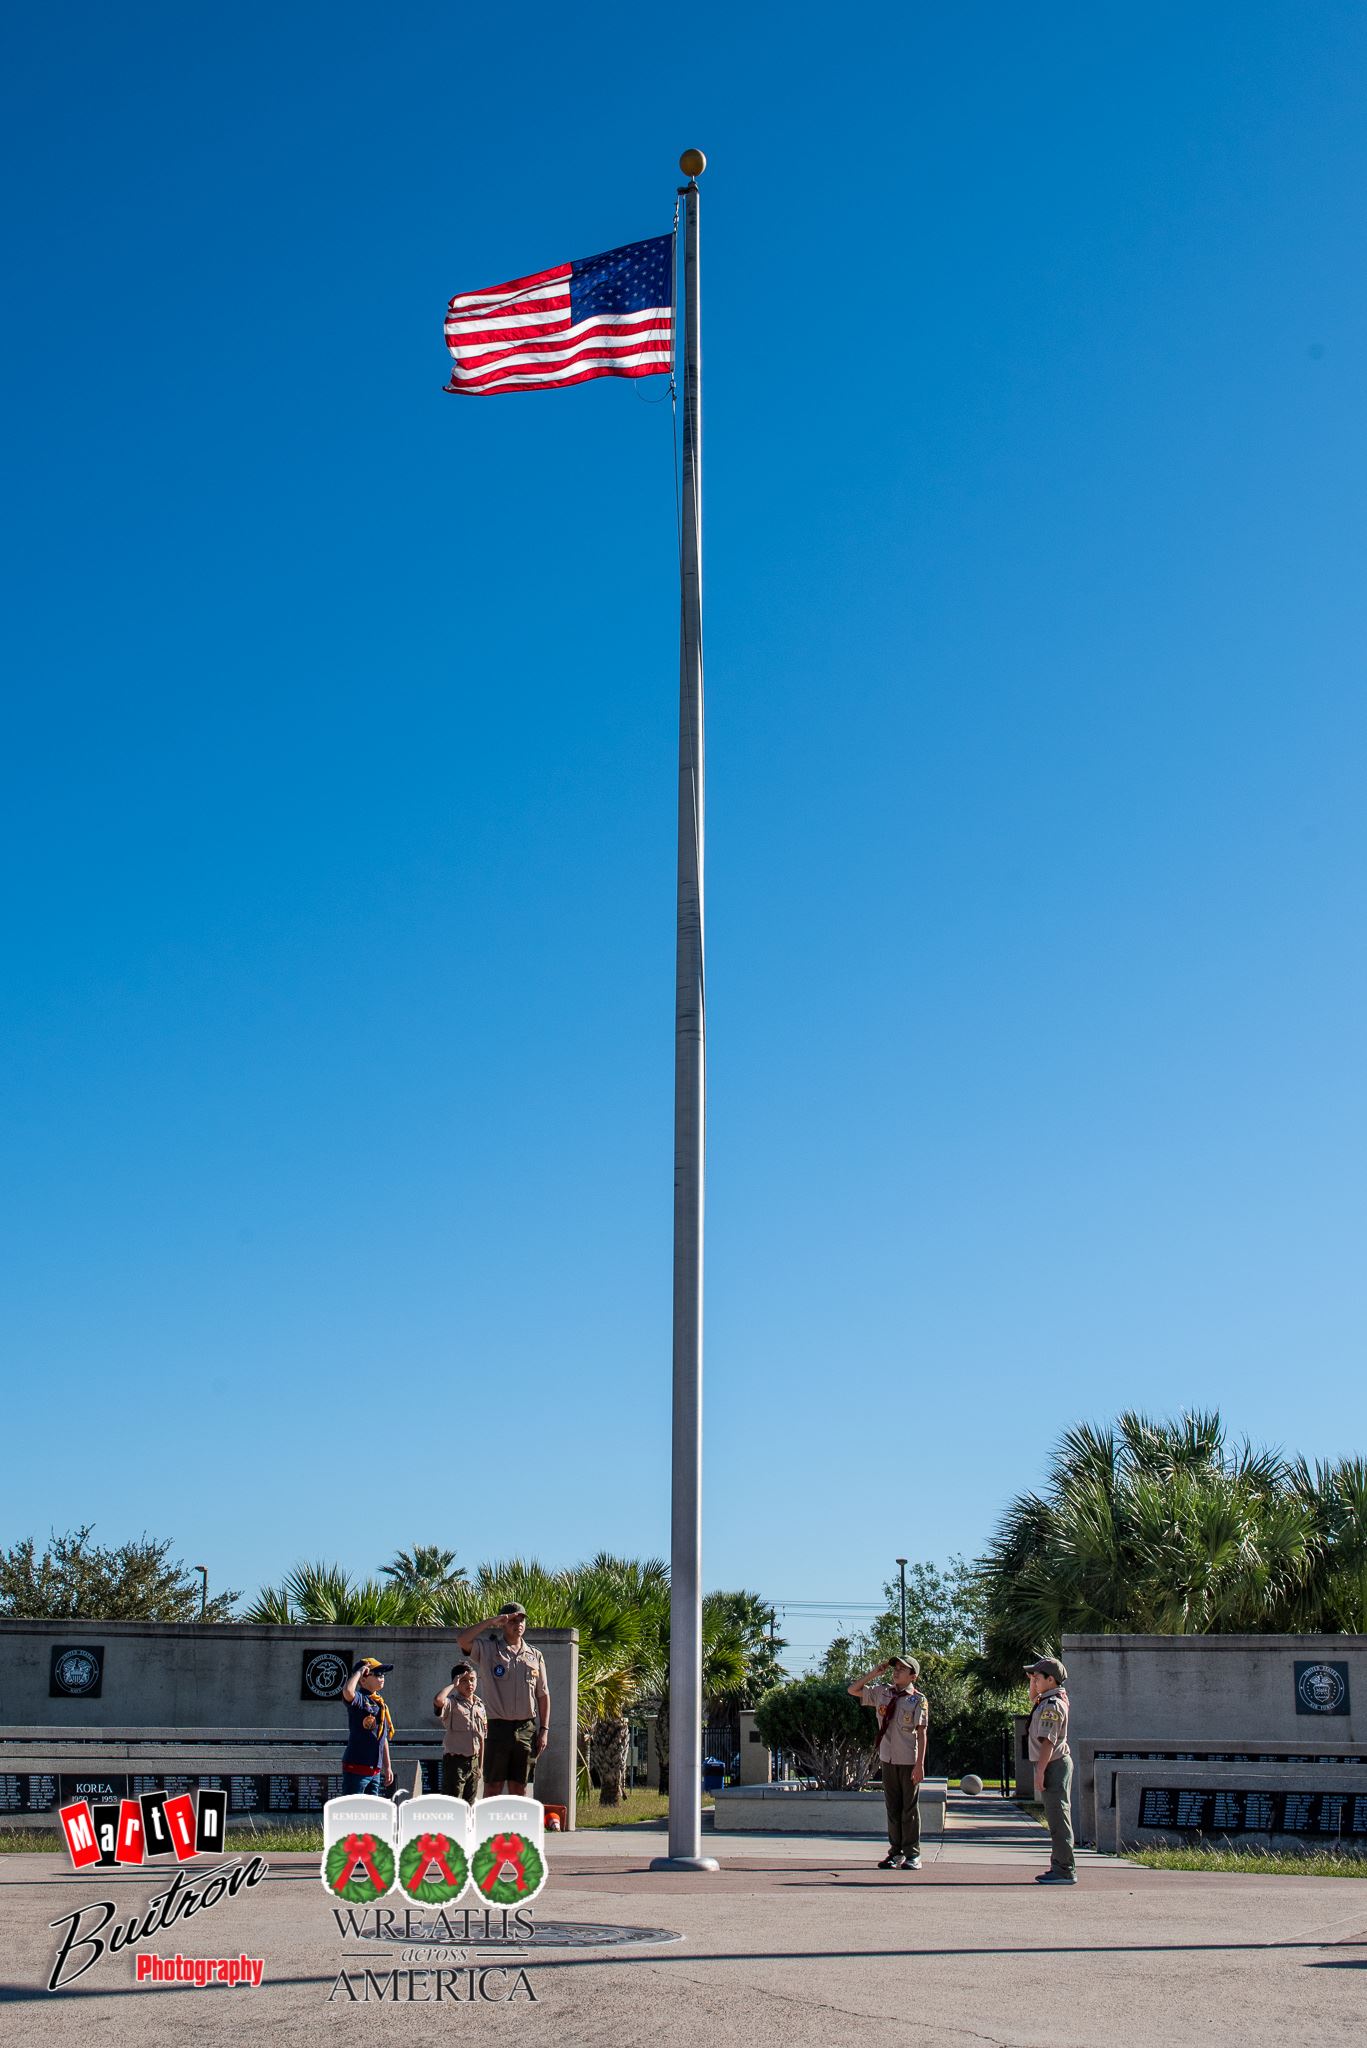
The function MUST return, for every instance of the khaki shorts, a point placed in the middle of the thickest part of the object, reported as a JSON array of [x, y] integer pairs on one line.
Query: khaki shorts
[[510, 1752]]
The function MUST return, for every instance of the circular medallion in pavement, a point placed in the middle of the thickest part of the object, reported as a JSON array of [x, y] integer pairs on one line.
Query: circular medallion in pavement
[[547, 1934]]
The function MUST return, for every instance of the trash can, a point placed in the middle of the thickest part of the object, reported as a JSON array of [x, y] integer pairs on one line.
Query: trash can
[[713, 1774]]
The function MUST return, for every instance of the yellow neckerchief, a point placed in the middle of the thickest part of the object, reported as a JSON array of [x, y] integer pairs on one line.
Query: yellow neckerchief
[[377, 1699]]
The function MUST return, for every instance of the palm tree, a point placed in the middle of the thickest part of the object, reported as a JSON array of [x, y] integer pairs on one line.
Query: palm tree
[[1335, 1497], [603, 1601], [426, 1570], [754, 1620], [326, 1593], [641, 1589], [620, 1607], [1167, 1528], [723, 1668]]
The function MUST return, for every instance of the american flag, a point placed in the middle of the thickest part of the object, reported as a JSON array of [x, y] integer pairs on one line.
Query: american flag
[[606, 316]]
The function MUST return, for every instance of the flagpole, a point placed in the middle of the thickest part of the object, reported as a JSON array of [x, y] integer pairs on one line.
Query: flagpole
[[690, 1071]]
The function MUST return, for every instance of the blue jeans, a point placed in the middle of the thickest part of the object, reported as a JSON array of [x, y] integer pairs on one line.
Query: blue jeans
[[356, 1783]]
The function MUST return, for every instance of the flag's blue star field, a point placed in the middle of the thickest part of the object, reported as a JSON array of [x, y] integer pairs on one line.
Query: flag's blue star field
[[627, 280]]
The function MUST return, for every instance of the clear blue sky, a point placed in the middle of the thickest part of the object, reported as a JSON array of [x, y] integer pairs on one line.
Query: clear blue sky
[[339, 766]]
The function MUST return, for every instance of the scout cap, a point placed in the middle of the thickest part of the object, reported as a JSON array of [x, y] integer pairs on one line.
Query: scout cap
[[1048, 1667], [910, 1664], [374, 1664], [513, 1609]]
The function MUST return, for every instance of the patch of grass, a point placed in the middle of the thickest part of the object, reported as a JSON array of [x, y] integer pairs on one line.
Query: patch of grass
[[1253, 1862], [281, 1838], [640, 1805], [31, 1842]]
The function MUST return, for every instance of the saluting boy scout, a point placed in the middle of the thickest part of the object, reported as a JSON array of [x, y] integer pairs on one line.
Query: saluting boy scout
[[1047, 1742], [903, 1725], [463, 1722], [366, 1760], [512, 1679]]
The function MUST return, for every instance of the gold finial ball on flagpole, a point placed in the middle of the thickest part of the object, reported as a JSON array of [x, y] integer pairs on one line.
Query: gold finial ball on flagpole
[[692, 163]]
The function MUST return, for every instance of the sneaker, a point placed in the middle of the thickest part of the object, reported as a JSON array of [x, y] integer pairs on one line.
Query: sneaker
[[892, 1861], [1057, 1877], [911, 1863]]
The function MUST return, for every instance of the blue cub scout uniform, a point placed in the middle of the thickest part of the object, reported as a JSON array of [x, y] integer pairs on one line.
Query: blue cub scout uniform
[[363, 1744]]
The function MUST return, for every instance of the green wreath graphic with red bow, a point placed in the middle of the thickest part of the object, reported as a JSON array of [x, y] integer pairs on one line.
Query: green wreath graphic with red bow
[[507, 1869], [359, 1868], [433, 1869]]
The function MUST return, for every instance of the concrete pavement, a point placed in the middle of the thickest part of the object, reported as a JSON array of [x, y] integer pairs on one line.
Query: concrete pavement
[[794, 1941]]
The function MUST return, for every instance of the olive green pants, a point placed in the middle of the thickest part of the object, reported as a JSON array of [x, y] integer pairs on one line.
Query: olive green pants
[[460, 1777], [1058, 1812], [904, 1810]]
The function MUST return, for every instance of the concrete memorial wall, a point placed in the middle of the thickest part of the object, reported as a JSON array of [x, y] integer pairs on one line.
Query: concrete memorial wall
[[1232, 1708], [261, 1703], [1246, 1805]]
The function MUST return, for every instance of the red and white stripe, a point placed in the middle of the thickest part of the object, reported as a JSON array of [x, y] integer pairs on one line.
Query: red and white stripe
[[520, 337]]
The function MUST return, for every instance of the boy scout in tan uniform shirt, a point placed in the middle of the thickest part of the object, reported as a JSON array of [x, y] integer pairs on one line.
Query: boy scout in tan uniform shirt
[[464, 1725], [512, 1682], [1047, 1742], [903, 1726]]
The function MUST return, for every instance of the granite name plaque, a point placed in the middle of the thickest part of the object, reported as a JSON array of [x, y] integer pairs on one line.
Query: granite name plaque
[[271, 1794], [28, 1792], [1204, 1810]]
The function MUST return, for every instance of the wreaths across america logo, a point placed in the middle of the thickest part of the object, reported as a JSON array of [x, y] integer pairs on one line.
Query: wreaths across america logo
[[434, 1849]]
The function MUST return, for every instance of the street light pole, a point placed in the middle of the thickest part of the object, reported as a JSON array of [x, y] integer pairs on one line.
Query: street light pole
[[902, 1570], [203, 1570]]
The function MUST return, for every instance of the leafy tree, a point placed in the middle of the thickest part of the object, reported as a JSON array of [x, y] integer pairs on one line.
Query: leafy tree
[[944, 1615], [78, 1580], [816, 1721]]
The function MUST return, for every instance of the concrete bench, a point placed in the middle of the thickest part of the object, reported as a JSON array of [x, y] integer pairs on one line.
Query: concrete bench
[[788, 1810]]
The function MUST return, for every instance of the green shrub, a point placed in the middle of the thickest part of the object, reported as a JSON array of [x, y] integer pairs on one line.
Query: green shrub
[[827, 1733]]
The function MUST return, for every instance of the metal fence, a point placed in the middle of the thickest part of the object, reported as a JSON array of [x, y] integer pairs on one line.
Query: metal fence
[[721, 1740]]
